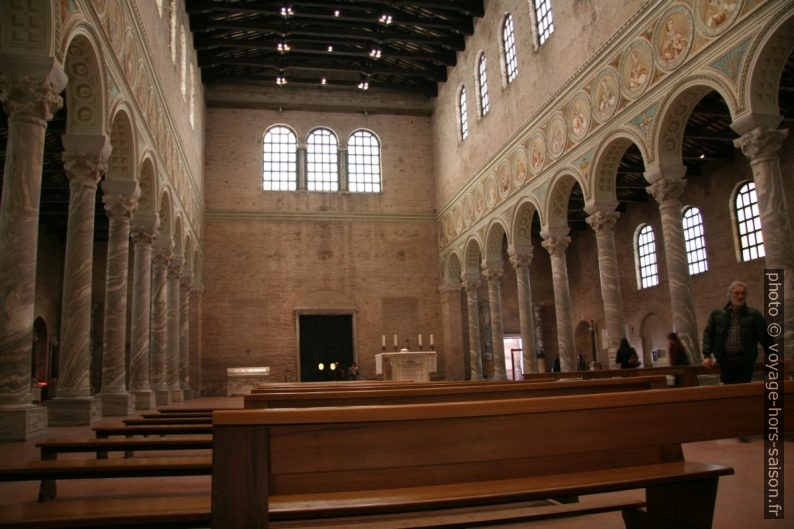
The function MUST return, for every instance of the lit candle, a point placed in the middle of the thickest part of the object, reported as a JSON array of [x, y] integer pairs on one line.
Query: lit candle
[[383, 340], [431, 340], [395, 340], [420, 339]]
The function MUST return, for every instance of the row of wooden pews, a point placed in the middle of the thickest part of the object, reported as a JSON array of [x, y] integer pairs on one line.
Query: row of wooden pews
[[320, 479]]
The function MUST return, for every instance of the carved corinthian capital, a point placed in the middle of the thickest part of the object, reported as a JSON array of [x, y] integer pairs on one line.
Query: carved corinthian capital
[[119, 207], [556, 245], [603, 221], [33, 97], [667, 189], [521, 260], [760, 143], [84, 168]]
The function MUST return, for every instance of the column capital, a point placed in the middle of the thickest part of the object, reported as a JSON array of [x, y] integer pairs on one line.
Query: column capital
[[162, 255], [667, 189], [556, 245], [144, 237], [175, 267], [37, 98], [761, 143], [602, 221], [119, 207], [186, 280], [492, 273], [520, 260], [470, 284], [84, 168], [197, 288]]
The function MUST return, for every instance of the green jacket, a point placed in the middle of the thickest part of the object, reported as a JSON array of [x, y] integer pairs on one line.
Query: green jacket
[[752, 328]]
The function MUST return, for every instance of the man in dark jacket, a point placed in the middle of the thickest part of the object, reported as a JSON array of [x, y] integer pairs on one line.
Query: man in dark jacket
[[732, 336]]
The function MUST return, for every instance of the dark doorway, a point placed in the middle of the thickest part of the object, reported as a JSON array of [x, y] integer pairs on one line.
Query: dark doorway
[[325, 340]]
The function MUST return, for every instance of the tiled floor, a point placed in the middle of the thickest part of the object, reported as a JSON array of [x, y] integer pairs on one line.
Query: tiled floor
[[739, 498]]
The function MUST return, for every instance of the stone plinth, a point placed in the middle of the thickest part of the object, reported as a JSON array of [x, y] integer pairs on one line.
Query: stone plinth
[[144, 399], [73, 411], [18, 423], [117, 404], [240, 380], [406, 365]]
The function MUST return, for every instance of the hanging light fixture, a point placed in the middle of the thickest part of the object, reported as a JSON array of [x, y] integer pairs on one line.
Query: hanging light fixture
[[385, 19], [375, 52], [286, 11]]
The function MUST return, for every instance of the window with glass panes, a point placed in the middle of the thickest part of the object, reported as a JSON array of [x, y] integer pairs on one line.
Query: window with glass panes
[[748, 221], [647, 269], [509, 42], [694, 241], [280, 160], [363, 162], [464, 119], [322, 161], [482, 79], [544, 20]]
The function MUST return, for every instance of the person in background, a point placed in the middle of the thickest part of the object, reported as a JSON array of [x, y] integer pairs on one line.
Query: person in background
[[352, 372], [677, 351], [626, 357], [732, 335]]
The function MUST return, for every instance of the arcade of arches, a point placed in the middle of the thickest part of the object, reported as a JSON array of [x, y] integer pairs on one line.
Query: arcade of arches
[[140, 256]]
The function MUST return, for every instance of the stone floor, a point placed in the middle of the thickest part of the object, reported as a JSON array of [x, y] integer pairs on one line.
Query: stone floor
[[739, 498]]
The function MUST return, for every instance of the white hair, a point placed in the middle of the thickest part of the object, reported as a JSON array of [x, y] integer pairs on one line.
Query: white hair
[[734, 285]]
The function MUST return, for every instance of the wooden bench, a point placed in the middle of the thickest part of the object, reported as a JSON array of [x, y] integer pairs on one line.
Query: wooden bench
[[176, 414], [382, 460], [49, 471], [684, 375], [463, 392], [105, 431], [50, 448], [206, 419]]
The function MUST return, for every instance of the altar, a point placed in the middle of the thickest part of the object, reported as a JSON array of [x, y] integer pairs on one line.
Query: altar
[[406, 365]]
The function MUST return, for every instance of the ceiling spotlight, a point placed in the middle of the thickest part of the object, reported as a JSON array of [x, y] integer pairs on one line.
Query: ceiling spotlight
[[375, 53], [385, 19], [323, 81], [330, 48], [336, 12], [283, 46], [363, 85], [281, 80], [286, 11], [702, 156]]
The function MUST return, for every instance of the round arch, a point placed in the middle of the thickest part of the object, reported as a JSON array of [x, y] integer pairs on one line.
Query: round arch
[[557, 202], [471, 259], [452, 271], [521, 232], [607, 161], [85, 91], [121, 164], [493, 245]]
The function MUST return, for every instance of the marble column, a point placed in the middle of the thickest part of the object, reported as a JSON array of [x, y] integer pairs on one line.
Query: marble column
[[521, 262], [556, 245], [494, 277], [196, 292], [140, 387], [29, 105], [172, 330], [761, 146], [452, 345], [159, 330], [667, 187], [602, 221], [116, 400], [184, 334], [475, 350], [74, 404]]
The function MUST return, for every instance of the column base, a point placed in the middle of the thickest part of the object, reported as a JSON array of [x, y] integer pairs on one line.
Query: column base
[[176, 395], [116, 404], [162, 397], [73, 411], [144, 399], [187, 394], [22, 422]]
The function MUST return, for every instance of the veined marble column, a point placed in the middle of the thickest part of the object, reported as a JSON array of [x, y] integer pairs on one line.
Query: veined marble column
[[159, 330], [74, 404], [556, 246], [475, 350], [494, 278], [184, 334], [196, 292], [521, 262], [141, 316], [602, 221], [115, 398], [29, 105], [761, 146], [666, 191], [172, 330], [452, 325]]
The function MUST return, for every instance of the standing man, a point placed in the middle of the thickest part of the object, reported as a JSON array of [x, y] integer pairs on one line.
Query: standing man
[[732, 336]]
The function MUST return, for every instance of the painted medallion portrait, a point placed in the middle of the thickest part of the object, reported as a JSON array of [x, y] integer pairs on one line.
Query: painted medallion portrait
[[673, 37], [636, 68]]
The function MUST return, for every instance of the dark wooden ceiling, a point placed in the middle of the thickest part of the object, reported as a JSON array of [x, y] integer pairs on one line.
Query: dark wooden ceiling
[[403, 46]]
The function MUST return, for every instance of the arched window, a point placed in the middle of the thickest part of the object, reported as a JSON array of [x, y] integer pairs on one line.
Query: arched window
[[645, 251], [694, 241], [183, 61], [543, 20], [748, 222], [482, 83], [280, 167], [464, 119], [509, 43], [172, 28], [322, 162], [363, 162], [192, 96]]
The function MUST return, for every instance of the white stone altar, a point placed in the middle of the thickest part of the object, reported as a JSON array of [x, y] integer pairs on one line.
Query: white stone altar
[[406, 365], [240, 380]]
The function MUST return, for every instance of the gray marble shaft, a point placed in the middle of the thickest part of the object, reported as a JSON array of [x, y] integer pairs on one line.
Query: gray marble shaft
[[494, 278], [184, 333], [556, 246], [141, 311], [159, 334], [172, 330], [475, 350], [521, 264]]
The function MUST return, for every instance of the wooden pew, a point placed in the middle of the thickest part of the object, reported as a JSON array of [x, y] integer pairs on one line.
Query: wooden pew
[[205, 419], [378, 461], [49, 471], [356, 386], [105, 431], [462, 392], [50, 448], [685, 375]]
